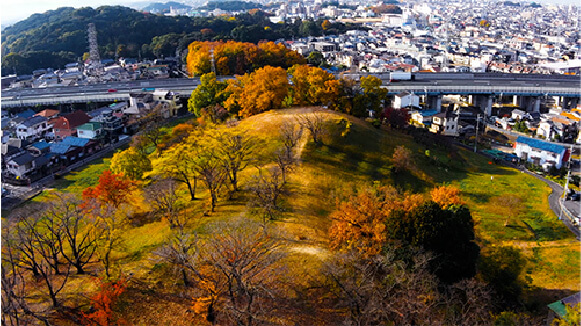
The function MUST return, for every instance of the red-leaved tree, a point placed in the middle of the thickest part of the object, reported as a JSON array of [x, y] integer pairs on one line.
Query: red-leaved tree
[[112, 189], [103, 303]]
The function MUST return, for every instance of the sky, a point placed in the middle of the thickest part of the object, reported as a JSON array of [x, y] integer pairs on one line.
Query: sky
[[13, 11]]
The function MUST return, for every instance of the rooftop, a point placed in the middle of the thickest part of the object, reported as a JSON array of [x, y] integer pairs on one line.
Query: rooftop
[[536, 143]]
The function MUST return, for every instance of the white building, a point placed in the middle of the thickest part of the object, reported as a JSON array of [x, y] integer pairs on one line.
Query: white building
[[445, 124], [90, 130], [540, 153], [405, 99], [33, 128]]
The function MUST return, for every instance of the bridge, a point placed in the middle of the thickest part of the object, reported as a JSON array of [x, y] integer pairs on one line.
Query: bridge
[[481, 87]]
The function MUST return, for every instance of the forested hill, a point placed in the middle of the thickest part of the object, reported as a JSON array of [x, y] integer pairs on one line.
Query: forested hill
[[58, 37]]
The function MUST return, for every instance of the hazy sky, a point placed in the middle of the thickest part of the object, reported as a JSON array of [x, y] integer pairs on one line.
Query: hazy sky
[[13, 11]]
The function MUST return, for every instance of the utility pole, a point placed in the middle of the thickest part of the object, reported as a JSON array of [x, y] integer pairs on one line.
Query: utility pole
[[566, 188], [476, 136]]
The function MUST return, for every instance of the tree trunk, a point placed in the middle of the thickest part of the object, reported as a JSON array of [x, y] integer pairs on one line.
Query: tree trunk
[[79, 267]]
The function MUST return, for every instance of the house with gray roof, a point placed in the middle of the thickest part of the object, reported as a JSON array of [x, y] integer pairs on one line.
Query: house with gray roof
[[32, 128]]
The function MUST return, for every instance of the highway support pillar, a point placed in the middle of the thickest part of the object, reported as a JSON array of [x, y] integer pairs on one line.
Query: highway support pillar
[[484, 103], [435, 102], [569, 102], [530, 103]]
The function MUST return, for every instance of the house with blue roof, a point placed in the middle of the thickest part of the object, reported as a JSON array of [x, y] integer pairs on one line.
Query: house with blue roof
[[541, 153]]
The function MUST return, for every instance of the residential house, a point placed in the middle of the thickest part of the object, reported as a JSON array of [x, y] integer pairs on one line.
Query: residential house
[[32, 128], [111, 118], [25, 164], [405, 100], [445, 123], [558, 309], [38, 148], [541, 153], [169, 102], [66, 126], [49, 113], [90, 130], [422, 118], [87, 146]]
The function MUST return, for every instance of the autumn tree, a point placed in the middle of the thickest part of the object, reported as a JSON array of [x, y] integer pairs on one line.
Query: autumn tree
[[256, 92], [130, 163], [103, 303], [468, 302], [182, 251], [372, 97], [17, 304], [313, 86], [446, 196], [113, 189], [209, 93], [79, 236], [396, 118], [179, 163], [402, 158], [150, 126], [359, 223], [290, 136]]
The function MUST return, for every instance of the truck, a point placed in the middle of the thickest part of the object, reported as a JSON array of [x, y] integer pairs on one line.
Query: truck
[[400, 75]]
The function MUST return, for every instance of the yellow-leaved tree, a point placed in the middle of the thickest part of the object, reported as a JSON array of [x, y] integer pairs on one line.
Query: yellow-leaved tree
[[132, 163]]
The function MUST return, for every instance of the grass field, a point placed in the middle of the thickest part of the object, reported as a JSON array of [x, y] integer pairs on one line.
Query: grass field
[[509, 208]]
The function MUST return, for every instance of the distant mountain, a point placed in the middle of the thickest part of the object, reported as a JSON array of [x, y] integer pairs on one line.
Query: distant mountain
[[165, 7], [59, 36]]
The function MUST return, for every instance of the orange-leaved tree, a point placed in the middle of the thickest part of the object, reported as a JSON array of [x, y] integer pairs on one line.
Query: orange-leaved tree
[[446, 196], [112, 189], [103, 303], [360, 222], [256, 92]]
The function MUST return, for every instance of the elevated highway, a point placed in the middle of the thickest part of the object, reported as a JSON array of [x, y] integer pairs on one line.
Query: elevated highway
[[530, 87]]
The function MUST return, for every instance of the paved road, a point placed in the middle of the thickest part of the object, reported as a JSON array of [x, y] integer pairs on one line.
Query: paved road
[[554, 203]]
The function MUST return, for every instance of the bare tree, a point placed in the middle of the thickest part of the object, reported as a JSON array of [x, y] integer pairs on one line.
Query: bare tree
[[150, 125], [78, 238], [468, 302], [314, 123], [110, 221], [15, 308], [267, 187], [36, 251], [211, 170], [237, 151], [381, 289], [290, 136], [244, 260], [182, 251], [165, 200]]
